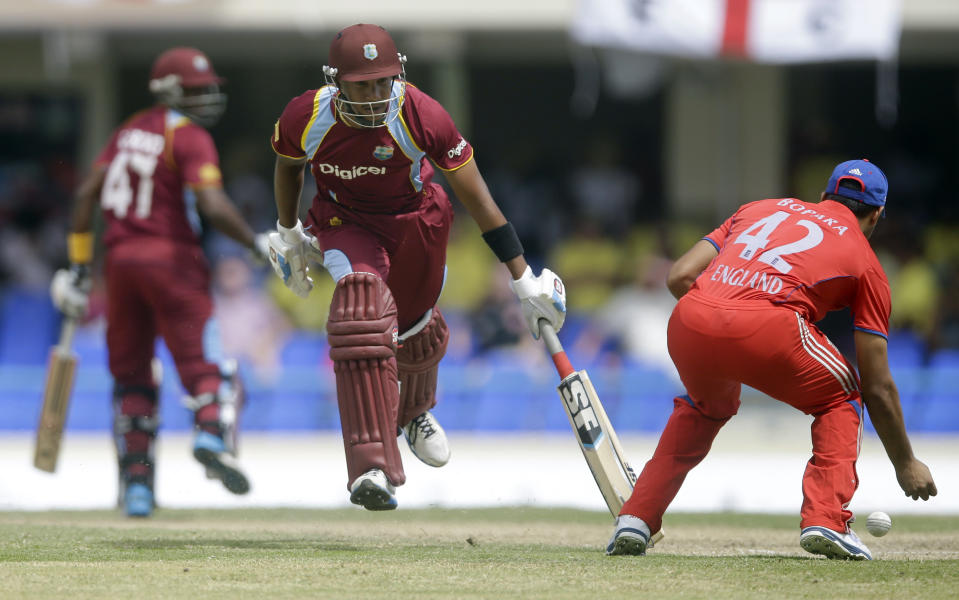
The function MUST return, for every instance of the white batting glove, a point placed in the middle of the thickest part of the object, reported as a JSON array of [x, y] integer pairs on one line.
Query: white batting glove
[[542, 297], [289, 249], [70, 292]]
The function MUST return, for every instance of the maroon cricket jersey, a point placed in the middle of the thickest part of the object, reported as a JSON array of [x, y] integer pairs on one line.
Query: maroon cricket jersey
[[811, 258], [154, 162], [379, 170]]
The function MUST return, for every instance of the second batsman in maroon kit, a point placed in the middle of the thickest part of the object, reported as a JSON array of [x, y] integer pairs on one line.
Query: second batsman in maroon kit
[[157, 174], [749, 295], [371, 139]]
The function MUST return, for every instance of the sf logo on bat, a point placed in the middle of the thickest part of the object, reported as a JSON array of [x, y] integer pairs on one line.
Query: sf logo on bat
[[581, 410]]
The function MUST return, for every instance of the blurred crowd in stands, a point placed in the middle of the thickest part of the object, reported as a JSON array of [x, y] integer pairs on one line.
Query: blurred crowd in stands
[[590, 225]]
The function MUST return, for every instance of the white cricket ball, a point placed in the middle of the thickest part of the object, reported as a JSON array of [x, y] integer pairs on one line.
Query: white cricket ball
[[878, 523]]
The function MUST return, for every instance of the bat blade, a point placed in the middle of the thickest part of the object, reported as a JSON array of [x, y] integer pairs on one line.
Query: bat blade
[[597, 439], [56, 400]]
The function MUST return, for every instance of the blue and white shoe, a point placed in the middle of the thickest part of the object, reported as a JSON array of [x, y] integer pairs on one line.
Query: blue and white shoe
[[832, 544], [210, 450], [138, 500], [373, 491], [630, 537]]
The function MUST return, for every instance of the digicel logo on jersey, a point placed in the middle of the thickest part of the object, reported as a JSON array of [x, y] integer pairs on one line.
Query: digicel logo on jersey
[[328, 169]]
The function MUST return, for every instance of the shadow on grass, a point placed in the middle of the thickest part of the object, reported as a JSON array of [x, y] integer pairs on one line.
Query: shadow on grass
[[757, 556], [250, 544]]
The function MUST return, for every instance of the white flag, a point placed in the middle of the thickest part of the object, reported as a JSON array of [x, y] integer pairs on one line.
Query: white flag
[[771, 31]]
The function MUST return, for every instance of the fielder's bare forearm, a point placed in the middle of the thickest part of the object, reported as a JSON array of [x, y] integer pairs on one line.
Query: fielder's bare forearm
[[882, 402], [881, 397], [287, 187], [213, 203], [688, 267]]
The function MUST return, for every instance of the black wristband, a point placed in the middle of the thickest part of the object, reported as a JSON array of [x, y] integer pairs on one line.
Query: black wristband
[[504, 242]]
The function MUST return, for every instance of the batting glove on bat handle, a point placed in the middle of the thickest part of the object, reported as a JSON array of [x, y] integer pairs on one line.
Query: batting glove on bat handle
[[260, 252], [289, 248], [542, 297], [70, 291]]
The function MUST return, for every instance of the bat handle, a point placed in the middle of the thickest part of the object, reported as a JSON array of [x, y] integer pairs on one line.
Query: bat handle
[[66, 333], [315, 254], [549, 337], [555, 348]]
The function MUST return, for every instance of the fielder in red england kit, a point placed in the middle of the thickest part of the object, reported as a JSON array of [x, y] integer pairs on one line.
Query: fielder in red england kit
[[157, 173], [749, 295], [371, 140]]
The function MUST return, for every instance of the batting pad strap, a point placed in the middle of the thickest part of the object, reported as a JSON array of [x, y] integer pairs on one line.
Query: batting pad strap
[[121, 390], [504, 242], [135, 458], [80, 247], [128, 423], [417, 327]]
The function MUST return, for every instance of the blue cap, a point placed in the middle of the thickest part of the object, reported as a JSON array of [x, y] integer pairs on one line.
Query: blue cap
[[868, 175]]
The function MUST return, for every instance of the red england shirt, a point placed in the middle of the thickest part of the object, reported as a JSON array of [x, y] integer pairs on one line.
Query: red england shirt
[[812, 258]]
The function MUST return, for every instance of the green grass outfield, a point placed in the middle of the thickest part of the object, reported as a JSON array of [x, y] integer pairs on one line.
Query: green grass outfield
[[482, 553]]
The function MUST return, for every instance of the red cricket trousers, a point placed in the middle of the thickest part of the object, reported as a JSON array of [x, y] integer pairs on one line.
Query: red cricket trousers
[[161, 287], [719, 345]]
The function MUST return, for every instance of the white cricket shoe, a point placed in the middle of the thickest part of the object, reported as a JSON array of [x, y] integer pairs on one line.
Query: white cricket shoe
[[373, 491], [427, 440], [631, 536], [832, 544]]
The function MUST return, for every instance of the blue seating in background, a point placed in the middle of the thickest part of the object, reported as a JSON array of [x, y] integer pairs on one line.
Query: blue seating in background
[[939, 409], [90, 345], [496, 392], [29, 326], [946, 359], [905, 349], [305, 348]]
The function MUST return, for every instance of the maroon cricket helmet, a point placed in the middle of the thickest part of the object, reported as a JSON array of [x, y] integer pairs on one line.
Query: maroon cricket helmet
[[191, 67], [183, 78], [362, 52]]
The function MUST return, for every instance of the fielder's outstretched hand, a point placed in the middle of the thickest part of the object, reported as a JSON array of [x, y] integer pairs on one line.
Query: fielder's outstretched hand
[[70, 291], [542, 297], [289, 249], [916, 480]]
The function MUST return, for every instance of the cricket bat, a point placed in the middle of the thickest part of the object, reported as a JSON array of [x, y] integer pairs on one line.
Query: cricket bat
[[597, 439], [56, 399]]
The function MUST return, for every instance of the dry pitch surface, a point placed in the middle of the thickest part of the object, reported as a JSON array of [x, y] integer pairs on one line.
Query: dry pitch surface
[[483, 553]]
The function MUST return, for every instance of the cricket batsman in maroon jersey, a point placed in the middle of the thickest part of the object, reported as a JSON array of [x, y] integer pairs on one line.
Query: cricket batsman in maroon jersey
[[749, 295], [371, 140], [157, 174]]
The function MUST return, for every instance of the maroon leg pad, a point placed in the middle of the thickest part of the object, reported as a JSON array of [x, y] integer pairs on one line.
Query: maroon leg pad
[[362, 334], [418, 361], [134, 432]]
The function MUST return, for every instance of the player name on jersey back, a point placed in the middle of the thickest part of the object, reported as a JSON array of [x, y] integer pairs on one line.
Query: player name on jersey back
[[802, 209], [140, 141]]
